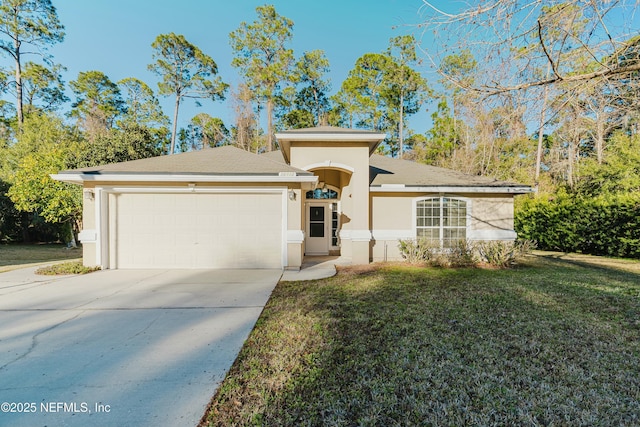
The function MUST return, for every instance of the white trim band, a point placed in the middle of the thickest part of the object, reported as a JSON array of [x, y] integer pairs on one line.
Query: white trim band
[[385, 188], [295, 236], [356, 235], [393, 234], [79, 178], [495, 234], [365, 136], [88, 236]]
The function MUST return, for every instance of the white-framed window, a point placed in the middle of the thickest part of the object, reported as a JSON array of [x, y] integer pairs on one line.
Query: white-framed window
[[443, 219], [322, 193]]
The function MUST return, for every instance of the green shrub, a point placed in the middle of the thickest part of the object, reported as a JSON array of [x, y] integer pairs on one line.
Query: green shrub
[[419, 250], [464, 253], [74, 267], [461, 254], [603, 225], [500, 253]]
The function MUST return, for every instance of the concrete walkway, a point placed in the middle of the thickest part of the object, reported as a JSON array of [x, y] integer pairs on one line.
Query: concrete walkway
[[314, 268], [122, 347]]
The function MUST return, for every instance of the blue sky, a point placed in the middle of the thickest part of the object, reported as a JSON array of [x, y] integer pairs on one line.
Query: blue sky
[[115, 36]]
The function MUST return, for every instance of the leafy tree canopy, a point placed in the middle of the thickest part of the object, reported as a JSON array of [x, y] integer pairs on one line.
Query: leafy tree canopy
[[43, 87], [44, 147], [262, 57], [186, 72], [98, 101], [32, 23]]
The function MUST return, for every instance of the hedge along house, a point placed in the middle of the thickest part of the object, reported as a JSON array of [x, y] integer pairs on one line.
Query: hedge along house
[[325, 192]]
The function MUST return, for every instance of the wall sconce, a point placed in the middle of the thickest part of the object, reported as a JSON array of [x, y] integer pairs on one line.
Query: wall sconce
[[292, 195], [88, 194]]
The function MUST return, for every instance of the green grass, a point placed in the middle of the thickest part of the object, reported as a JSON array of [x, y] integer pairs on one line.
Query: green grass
[[553, 342], [18, 256], [71, 267]]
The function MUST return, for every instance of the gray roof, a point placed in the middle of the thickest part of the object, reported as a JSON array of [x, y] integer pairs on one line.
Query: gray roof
[[233, 161], [227, 160], [388, 171], [385, 170]]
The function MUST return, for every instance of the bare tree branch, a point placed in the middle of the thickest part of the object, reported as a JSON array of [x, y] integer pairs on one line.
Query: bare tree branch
[[496, 31], [552, 63], [574, 78]]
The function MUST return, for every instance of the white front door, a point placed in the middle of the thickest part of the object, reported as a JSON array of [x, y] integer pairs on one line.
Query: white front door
[[318, 237]]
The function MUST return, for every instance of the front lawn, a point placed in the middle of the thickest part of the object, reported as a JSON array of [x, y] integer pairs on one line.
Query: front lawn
[[20, 255], [553, 342]]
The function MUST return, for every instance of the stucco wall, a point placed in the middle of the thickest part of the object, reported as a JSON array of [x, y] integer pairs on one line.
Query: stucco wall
[[491, 213], [355, 192], [352, 160], [392, 219]]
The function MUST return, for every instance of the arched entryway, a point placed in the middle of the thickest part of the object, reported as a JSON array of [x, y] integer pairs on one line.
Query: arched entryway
[[323, 219]]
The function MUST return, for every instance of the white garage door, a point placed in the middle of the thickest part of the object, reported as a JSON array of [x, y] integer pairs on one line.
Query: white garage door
[[222, 230]]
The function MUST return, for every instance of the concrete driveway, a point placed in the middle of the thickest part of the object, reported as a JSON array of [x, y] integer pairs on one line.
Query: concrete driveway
[[122, 347]]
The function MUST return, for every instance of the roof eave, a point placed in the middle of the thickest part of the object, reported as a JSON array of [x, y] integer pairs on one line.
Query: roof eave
[[331, 137], [401, 188], [80, 178]]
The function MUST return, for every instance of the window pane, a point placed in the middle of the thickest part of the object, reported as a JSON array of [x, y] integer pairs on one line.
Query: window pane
[[316, 213], [444, 218], [429, 233], [454, 233], [320, 193], [316, 229]]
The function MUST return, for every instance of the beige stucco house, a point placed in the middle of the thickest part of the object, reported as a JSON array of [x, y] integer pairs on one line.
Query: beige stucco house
[[324, 192]]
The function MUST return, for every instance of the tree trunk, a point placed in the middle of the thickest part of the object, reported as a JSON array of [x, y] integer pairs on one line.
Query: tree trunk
[[269, 124], [600, 139], [541, 134], [72, 243], [75, 226], [317, 106], [20, 113], [175, 125], [401, 127], [570, 159]]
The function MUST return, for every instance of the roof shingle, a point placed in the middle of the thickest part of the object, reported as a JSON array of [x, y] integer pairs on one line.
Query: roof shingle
[[388, 171], [385, 170], [227, 160]]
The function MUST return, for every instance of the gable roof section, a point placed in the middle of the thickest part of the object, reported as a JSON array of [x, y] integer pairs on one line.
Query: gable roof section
[[387, 174], [274, 156], [328, 134], [226, 163]]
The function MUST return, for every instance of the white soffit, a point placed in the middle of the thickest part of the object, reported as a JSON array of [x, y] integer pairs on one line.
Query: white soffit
[[326, 136], [401, 188], [79, 178]]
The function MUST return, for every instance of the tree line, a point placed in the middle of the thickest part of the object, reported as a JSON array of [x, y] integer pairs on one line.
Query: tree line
[[545, 93], [43, 131]]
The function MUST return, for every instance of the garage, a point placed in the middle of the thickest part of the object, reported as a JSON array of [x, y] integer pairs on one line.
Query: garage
[[207, 209], [196, 230]]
